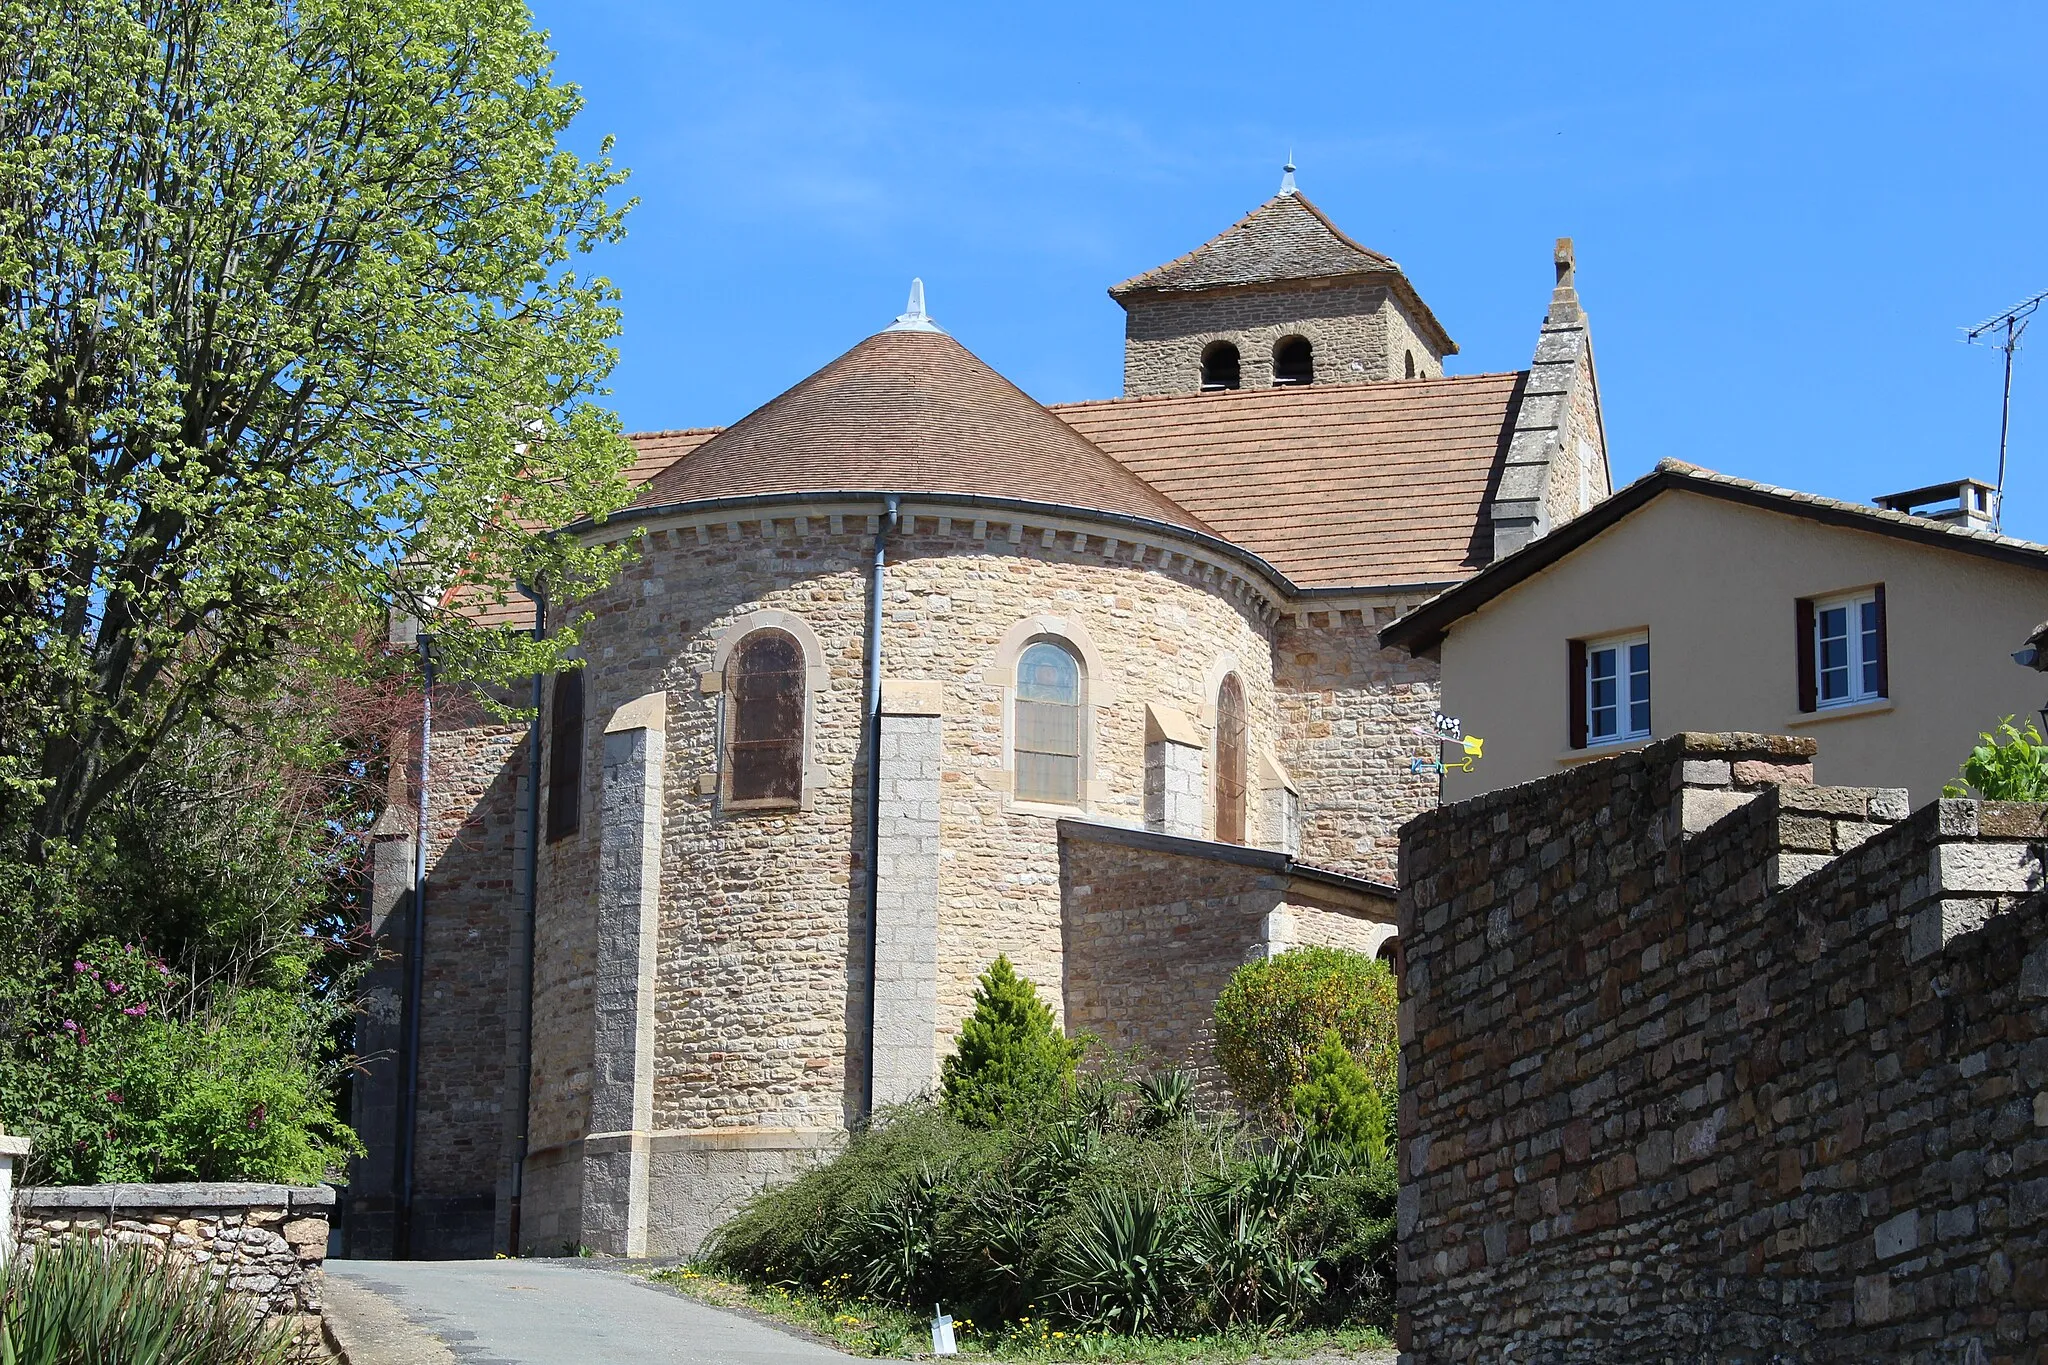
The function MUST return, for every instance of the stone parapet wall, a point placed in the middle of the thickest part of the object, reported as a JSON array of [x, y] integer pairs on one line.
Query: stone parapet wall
[[1702, 1061], [267, 1243]]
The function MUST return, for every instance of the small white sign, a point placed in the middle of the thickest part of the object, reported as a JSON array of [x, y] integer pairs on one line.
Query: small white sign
[[942, 1334]]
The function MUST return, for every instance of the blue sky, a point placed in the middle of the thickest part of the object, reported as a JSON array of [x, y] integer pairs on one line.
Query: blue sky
[[1785, 214]]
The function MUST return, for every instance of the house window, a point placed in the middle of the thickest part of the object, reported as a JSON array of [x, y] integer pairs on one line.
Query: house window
[[565, 756], [1293, 363], [1230, 761], [1219, 367], [1842, 649], [1048, 733], [765, 722], [1611, 690]]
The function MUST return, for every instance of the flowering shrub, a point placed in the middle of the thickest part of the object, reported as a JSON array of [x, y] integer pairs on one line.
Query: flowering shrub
[[119, 1083]]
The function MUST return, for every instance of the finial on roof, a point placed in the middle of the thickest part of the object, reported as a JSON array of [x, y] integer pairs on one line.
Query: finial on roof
[[914, 318], [1287, 174]]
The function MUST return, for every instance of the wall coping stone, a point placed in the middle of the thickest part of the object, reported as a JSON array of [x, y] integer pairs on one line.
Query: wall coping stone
[[192, 1195], [1266, 859]]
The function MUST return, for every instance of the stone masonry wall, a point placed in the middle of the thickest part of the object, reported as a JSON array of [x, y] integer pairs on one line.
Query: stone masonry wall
[[1349, 711], [474, 905], [266, 1242], [1155, 928], [1358, 331], [1703, 1062], [759, 980]]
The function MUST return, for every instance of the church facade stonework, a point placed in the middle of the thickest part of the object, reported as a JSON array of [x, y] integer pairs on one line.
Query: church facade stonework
[[905, 671]]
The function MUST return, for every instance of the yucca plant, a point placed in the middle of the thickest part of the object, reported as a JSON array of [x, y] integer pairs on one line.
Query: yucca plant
[[1168, 1097], [89, 1302], [1123, 1266]]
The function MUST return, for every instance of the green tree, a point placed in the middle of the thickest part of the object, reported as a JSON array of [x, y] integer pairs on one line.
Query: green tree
[[291, 335], [1274, 1013], [2010, 765], [1338, 1102], [1011, 1059]]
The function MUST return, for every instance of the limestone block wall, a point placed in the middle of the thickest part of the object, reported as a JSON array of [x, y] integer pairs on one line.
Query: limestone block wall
[[1358, 330], [266, 1242], [1349, 712], [1701, 1061]]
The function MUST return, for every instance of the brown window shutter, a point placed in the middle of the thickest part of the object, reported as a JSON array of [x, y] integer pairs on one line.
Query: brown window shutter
[[1575, 689], [1809, 687], [1884, 648]]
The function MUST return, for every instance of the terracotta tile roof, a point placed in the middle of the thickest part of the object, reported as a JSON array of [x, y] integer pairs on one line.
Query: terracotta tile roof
[[1342, 485], [1285, 238], [909, 412]]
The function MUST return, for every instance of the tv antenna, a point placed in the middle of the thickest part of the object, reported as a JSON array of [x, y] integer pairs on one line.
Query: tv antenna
[[2004, 332]]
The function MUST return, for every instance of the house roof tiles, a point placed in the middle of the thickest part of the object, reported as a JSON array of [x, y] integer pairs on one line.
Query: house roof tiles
[[1285, 238]]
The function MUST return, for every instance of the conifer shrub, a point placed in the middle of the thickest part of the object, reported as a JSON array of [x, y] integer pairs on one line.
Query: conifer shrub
[[1273, 1015], [1338, 1103], [1011, 1060]]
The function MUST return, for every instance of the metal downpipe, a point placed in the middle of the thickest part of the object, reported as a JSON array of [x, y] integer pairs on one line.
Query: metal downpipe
[[526, 928], [415, 977], [885, 528]]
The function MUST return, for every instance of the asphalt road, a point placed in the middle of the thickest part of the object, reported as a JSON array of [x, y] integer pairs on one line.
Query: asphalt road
[[543, 1313]]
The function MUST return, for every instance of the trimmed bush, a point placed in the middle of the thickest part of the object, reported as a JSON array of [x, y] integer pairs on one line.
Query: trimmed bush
[[1011, 1059], [1274, 1014]]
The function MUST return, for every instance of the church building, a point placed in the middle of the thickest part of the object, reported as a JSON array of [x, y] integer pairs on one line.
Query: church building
[[908, 670]]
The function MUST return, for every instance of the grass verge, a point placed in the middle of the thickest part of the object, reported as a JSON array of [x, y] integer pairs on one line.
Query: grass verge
[[873, 1329]]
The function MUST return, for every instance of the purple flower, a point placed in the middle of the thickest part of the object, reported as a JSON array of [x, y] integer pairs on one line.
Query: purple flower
[[136, 1011], [115, 988], [255, 1117], [70, 1026], [114, 1096], [80, 967]]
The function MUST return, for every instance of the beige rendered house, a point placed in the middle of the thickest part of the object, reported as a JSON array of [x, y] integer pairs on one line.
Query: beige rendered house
[[1691, 600]]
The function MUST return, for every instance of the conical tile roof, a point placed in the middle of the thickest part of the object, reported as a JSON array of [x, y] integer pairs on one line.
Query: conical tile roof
[[910, 411]]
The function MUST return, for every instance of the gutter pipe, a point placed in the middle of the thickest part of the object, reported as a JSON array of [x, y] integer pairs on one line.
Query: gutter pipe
[[415, 982], [526, 926], [887, 525]]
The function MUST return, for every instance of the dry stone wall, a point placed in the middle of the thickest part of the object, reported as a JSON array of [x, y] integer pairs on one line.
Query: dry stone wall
[[1704, 1062], [267, 1243]]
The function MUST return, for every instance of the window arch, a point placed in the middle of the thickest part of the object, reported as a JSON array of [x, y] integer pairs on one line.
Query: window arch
[[1220, 369], [1410, 361], [1049, 730], [1294, 362], [565, 757], [764, 729], [1231, 744]]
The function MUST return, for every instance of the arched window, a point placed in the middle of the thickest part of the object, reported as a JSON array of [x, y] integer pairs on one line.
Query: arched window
[[1230, 761], [765, 721], [1219, 367], [565, 757], [1410, 355], [1048, 734], [1390, 953], [1293, 362]]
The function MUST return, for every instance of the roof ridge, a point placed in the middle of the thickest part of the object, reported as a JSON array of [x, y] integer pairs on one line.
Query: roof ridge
[[673, 431]]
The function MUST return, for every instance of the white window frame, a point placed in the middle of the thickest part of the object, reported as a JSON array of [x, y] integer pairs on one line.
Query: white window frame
[[1864, 650], [1625, 697]]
